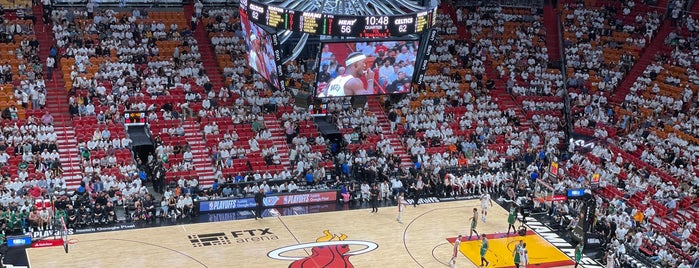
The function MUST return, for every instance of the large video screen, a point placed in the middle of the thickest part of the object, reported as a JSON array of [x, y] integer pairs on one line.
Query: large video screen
[[260, 50], [366, 68]]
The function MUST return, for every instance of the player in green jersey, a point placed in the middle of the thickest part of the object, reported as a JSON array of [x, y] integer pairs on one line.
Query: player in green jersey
[[484, 249]]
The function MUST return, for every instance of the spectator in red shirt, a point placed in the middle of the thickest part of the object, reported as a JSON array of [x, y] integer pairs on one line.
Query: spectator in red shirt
[[35, 191], [380, 48]]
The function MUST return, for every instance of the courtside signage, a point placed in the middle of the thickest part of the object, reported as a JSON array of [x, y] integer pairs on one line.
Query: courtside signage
[[72, 231], [270, 201], [298, 199], [226, 204]]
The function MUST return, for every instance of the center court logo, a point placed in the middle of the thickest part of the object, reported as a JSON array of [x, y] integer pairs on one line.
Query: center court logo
[[329, 251]]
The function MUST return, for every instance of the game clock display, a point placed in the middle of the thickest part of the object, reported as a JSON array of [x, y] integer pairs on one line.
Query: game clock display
[[340, 25], [373, 26]]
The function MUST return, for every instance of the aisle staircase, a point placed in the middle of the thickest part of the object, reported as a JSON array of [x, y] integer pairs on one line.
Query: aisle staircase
[[201, 154], [399, 149], [646, 59], [553, 39], [504, 100], [70, 155], [278, 138], [208, 56], [451, 11], [57, 105]]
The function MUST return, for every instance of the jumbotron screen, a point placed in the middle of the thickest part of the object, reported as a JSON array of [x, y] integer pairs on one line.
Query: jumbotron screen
[[366, 68], [260, 50]]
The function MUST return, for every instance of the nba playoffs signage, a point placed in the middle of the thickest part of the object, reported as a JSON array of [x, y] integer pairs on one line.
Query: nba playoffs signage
[[270, 201], [300, 199], [72, 231], [226, 204]]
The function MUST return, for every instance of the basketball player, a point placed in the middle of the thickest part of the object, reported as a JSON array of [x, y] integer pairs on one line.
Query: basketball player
[[474, 223], [457, 245], [511, 218], [401, 205], [485, 199], [516, 255], [350, 83], [611, 259], [523, 256], [578, 254], [484, 249], [255, 57]]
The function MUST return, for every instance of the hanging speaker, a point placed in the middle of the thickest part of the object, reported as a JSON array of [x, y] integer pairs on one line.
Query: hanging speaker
[[303, 100], [358, 101]]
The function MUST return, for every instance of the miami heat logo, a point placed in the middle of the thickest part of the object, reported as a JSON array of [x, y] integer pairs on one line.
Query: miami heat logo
[[328, 251]]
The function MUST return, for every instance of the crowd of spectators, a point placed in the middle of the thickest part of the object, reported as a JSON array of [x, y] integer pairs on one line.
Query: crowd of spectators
[[29, 158], [456, 127]]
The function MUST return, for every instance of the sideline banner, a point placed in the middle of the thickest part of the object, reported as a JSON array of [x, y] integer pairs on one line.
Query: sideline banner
[[226, 204], [269, 201], [48, 243], [300, 199]]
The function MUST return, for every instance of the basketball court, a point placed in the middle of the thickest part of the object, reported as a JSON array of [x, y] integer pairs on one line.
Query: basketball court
[[331, 239], [500, 252]]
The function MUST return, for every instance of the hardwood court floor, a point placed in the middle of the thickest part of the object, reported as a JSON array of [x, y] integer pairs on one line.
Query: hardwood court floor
[[419, 242]]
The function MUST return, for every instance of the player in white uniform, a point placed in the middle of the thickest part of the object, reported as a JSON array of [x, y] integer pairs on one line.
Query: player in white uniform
[[401, 205], [350, 83], [336, 87], [611, 259], [523, 256], [457, 246], [485, 199], [255, 60]]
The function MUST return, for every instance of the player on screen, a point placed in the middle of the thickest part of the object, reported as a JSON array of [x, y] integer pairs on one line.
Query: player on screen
[[350, 83], [256, 55]]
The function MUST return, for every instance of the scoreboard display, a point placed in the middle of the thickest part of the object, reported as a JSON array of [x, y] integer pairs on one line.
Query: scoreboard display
[[135, 117], [375, 26]]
